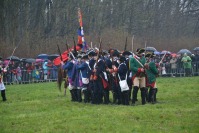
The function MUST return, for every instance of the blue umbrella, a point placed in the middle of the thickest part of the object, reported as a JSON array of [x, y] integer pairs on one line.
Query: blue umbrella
[[182, 51], [167, 52], [196, 49], [13, 58], [150, 49], [53, 56], [42, 56], [157, 53], [30, 60]]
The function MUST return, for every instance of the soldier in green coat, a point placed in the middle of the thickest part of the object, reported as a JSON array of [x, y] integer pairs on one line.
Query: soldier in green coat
[[151, 72], [136, 65], [187, 64]]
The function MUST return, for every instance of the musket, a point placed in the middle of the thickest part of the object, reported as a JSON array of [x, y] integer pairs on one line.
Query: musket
[[60, 71], [98, 55], [13, 53], [139, 62], [162, 58], [66, 83], [75, 50], [59, 52], [132, 42], [67, 45], [100, 45], [125, 45]]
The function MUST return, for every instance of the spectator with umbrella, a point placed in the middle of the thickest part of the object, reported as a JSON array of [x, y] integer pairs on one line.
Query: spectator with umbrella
[[45, 68], [173, 63], [187, 64]]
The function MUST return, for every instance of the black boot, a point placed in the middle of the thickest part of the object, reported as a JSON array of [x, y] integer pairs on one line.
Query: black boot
[[75, 94], [114, 98], [3, 94], [150, 94], [135, 91], [79, 95], [105, 94], [126, 98], [85, 96], [153, 96], [147, 94], [72, 95], [143, 95], [156, 90]]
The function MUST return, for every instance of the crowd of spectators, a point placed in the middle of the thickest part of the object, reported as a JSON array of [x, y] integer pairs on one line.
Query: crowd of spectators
[[24, 72]]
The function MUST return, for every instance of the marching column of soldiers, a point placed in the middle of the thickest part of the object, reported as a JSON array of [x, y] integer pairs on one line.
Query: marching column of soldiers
[[94, 74]]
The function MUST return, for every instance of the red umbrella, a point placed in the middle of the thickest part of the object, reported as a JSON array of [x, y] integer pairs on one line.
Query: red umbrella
[[173, 54]]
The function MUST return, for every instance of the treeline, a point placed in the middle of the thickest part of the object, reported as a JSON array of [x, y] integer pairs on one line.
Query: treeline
[[38, 25]]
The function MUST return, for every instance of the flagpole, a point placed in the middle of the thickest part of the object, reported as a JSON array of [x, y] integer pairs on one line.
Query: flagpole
[[91, 44], [132, 42]]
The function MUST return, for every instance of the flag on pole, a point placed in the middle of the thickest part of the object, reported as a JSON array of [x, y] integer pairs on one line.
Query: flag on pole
[[81, 40]]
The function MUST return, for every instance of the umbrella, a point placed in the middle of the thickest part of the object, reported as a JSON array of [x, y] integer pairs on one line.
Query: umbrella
[[157, 53], [42, 56], [39, 60], [13, 58], [196, 49], [53, 56], [173, 54], [150, 49], [167, 52], [182, 51], [30, 60]]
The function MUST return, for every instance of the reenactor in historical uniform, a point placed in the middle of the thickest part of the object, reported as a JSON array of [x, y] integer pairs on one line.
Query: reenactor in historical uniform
[[151, 72], [126, 54], [115, 81], [138, 75], [99, 79], [91, 53], [108, 64], [122, 75], [78, 79], [84, 73], [2, 86], [69, 67]]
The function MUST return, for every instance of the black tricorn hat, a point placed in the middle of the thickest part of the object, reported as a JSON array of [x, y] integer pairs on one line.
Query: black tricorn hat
[[140, 50], [104, 52], [84, 56], [126, 53], [122, 58], [150, 55], [116, 53]]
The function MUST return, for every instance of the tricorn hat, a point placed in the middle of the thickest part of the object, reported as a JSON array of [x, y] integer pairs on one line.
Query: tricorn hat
[[126, 53], [140, 50], [122, 58], [150, 55], [116, 53]]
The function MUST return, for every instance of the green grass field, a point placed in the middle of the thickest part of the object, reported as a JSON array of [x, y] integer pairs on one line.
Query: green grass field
[[42, 108]]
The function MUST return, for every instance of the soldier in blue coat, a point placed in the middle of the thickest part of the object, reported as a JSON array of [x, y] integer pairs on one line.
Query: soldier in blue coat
[[114, 80], [84, 73], [122, 74], [99, 78], [69, 66], [91, 63], [108, 64], [126, 54]]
